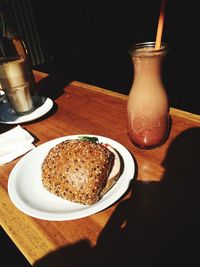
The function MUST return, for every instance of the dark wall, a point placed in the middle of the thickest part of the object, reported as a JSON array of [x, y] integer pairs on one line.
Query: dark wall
[[88, 41]]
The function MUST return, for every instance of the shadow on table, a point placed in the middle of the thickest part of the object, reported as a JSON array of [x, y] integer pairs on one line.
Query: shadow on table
[[10, 252], [52, 86], [157, 226]]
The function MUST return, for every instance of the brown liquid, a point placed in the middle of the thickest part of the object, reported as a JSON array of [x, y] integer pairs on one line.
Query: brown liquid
[[15, 82], [148, 132], [147, 107]]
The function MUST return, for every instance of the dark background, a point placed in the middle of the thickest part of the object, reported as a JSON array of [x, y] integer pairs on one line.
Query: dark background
[[88, 41]]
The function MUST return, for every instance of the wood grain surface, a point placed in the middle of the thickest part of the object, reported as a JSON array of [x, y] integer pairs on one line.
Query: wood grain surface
[[85, 109]]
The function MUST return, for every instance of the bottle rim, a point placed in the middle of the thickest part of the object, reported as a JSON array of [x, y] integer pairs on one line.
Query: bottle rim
[[138, 49]]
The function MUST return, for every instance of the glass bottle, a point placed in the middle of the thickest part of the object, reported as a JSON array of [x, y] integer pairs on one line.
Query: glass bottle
[[148, 105], [11, 44]]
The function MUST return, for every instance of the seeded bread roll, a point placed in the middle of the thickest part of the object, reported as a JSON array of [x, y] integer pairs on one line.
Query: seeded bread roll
[[77, 170]]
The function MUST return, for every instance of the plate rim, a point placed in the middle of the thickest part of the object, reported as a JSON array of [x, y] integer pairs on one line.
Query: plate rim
[[24, 119], [88, 210]]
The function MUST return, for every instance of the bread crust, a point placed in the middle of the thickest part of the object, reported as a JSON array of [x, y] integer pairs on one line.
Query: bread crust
[[77, 170]]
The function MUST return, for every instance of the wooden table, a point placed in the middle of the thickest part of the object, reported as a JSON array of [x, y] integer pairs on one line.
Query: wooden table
[[155, 220]]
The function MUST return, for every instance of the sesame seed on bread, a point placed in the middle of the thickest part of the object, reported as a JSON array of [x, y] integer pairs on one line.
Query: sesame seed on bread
[[77, 170]]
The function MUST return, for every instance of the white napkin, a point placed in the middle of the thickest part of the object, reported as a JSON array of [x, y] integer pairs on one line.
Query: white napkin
[[14, 143]]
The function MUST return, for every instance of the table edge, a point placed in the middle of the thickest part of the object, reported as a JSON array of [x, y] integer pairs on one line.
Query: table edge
[[173, 111]]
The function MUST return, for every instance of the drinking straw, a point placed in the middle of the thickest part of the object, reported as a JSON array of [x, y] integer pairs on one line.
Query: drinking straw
[[160, 24]]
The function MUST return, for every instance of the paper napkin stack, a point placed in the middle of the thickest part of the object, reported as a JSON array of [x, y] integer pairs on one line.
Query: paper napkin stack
[[14, 143]]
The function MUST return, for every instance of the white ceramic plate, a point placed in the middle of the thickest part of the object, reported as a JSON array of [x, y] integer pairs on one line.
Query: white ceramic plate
[[28, 194], [7, 117]]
